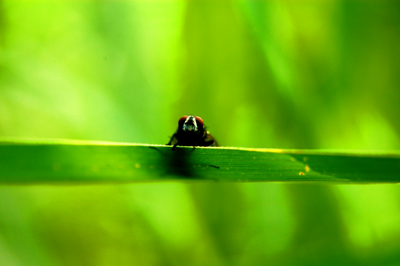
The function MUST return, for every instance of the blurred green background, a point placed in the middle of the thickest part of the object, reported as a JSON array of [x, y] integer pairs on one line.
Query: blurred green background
[[263, 74]]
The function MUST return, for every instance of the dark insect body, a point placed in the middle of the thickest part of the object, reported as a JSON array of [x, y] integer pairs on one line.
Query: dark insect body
[[191, 132]]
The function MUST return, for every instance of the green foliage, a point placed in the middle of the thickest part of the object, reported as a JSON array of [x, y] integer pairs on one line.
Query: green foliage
[[74, 162], [287, 75]]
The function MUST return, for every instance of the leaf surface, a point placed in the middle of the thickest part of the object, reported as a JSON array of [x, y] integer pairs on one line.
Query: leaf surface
[[73, 162]]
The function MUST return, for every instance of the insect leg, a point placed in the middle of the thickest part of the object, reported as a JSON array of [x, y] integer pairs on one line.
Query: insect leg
[[170, 140], [210, 143], [173, 147]]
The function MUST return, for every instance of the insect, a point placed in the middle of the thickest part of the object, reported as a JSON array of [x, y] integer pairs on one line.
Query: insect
[[191, 132]]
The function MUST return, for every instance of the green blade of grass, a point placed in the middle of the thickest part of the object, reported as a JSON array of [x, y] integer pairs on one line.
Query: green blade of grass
[[73, 162]]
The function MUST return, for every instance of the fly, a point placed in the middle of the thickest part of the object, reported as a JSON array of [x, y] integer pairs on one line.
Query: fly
[[191, 132]]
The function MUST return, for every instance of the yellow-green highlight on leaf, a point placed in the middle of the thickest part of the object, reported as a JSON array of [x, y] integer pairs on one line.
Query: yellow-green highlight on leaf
[[73, 162]]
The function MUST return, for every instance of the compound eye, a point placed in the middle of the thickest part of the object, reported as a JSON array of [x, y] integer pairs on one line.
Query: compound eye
[[182, 120], [199, 121]]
